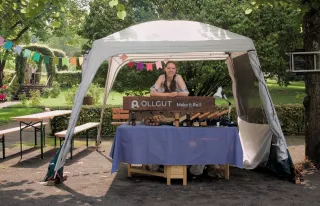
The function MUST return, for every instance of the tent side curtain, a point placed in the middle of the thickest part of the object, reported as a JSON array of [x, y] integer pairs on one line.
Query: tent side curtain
[[279, 159], [255, 138]]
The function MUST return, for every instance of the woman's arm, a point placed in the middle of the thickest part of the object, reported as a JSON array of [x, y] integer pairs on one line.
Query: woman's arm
[[182, 86], [157, 85]]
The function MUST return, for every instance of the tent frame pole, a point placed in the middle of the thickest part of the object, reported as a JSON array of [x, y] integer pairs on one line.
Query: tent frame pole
[[98, 140]]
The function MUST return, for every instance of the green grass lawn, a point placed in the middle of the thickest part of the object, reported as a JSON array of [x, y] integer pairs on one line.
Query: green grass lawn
[[7, 113], [115, 98], [279, 95], [292, 94]]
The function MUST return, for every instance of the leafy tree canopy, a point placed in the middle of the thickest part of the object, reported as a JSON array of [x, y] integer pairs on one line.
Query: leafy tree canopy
[[274, 31]]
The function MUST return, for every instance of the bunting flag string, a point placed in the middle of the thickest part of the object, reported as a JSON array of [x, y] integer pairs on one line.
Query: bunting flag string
[[35, 56], [66, 61]]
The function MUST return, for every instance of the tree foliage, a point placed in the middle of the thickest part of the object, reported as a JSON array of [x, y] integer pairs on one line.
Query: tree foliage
[[19, 17], [273, 30], [309, 19]]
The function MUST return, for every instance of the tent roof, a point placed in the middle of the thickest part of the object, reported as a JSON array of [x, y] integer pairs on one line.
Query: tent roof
[[172, 31], [172, 37]]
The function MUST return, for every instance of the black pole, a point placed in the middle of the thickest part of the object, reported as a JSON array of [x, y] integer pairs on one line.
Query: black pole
[[41, 139], [3, 148], [35, 136], [87, 137], [20, 142]]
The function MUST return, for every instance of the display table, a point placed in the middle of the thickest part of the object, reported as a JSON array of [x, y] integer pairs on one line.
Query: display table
[[168, 145]]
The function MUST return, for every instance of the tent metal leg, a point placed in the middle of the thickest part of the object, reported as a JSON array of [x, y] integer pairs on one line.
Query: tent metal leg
[[98, 141]]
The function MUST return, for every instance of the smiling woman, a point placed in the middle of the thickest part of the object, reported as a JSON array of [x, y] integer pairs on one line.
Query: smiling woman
[[170, 83]]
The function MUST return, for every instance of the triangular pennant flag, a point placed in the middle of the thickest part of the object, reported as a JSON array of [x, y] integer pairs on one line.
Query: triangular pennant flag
[[56, 60], [18, 50], [26, 53], [65, 61], [36, 57], [80, 60], [159, 65], [165, 61], [8, 45], [124, 57], [73, 60], [1, 40], [46, 59], [149, 66], [130, 65], [140, 66]]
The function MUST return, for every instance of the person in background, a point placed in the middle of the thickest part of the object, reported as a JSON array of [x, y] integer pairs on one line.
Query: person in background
[[28, 74], [170, 83], [33, 78]]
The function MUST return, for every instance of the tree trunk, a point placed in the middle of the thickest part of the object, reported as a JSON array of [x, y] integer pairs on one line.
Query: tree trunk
[[2, 65], [311, 26]]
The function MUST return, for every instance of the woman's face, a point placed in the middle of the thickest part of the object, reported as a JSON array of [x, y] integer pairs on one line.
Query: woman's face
[[170, 70]]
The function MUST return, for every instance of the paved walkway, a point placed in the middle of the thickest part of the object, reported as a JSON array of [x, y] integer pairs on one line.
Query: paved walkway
[[9, 103], [91, 183]]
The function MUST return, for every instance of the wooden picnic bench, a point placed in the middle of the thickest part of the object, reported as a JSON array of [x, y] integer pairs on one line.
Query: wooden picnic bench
[[85, 127], [16, 129], [32, 119], [119, 116]]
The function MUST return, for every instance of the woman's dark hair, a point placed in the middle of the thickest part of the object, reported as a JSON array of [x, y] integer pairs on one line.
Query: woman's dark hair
[[173, 84]]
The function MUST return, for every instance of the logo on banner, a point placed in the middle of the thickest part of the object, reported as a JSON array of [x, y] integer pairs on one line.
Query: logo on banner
[[134, 104]]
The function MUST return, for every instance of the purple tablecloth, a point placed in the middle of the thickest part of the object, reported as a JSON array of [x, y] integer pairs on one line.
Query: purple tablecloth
[[168, 145]]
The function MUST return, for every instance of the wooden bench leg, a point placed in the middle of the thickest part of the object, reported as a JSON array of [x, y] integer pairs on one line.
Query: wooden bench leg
[[129, 170], [226, 171], [3, 148]]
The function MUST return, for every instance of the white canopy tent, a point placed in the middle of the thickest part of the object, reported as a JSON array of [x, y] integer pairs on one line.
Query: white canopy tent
[[188, 41]]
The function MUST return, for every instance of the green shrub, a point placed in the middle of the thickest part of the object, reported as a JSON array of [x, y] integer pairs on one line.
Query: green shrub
[[35, 97], [55, 90], [87, 114], [46, 92], [71, 93], [67, 79], [23, 98], [93, 91]]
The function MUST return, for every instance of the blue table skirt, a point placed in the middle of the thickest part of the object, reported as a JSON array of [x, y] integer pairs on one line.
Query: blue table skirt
[[168, 145]]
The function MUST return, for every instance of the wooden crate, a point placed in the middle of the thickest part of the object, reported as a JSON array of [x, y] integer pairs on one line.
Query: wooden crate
[[170, 172]]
